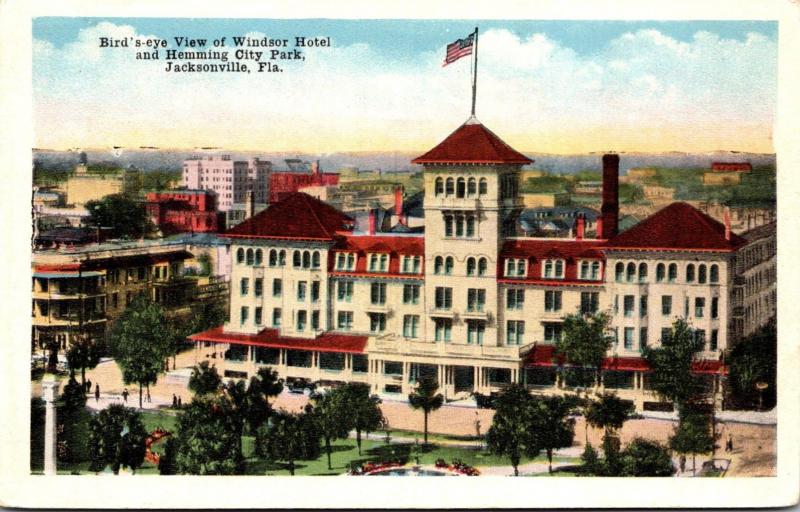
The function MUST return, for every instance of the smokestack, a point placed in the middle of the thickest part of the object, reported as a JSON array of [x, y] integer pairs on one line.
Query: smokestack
[[372, 221], [609, 211], [579, 227], [727, 218], [249, 205], [398, 205]]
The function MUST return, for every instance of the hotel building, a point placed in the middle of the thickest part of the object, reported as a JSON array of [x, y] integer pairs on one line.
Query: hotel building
[[231, 180]]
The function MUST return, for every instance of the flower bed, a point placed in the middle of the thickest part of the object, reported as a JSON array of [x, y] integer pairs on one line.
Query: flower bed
[[155, 436], [457, 467]]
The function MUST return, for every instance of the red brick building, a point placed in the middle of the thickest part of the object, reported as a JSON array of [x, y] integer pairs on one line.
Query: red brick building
[[281, 184], [731, 167], [177, 211]]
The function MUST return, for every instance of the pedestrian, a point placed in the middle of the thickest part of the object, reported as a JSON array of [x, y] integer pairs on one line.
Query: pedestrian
[[97, 393], [729, 445], [88, 385], [125, 395], [174, 401], [180, 403], [682, 463]]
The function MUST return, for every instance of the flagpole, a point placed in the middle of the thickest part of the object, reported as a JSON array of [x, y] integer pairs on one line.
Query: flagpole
[[475, 73]]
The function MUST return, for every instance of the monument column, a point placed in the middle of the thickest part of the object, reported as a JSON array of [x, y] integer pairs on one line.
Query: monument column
[[50, 393]]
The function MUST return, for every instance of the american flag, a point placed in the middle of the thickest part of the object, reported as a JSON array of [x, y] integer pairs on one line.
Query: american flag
[[459, 48]]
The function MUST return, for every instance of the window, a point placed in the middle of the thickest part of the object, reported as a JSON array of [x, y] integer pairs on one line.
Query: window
[[438, 187], [459, 225], [699, 306], [273, 258], [672, 274], [515, 331], [410, 294], [438, 265], [515, 267], [306, 259], [590, 270], [315, 260], [470, 226], [259, 256], [628, 305], [443, 329], [475, 331], [476, 298], [630, 272], [690, 273], [250, 256], [378, 262], [714, 342], [315, 291], [553, 269], [276, 317], [642, 272], [448, 265], [515, 298], [483, 187], [377, 294], [449, 188], [700, 336], [240, 255], [345, 261], [259, 287], [643, 306], [666, 335], [377, 322], [461, 187], [482, 266], [472, 187], [344, 320], [444, 298], [552, 300], [282, 258], [701, 274], [344, 291], [628, 338], [301, 291], [470, 266], [244, 286], [301, 320], [410, 326], [297, 259], [714, 307], [257, 318], [590, 302], [666, 305], [619, 272], [448, 225], [660, 272], [642, 337], [277, 287], [243, 314], [411, 264], [714, 274], [552, 332]]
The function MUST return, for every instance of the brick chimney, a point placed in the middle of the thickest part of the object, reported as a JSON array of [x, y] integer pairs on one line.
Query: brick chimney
[[249, 205], [580, 226], [398, 205], [609, 211]]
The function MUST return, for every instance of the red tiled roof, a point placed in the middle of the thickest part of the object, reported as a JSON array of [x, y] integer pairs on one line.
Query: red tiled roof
[[298, 215], [678, 226], [545, 355], [271, 338], [472, 143]]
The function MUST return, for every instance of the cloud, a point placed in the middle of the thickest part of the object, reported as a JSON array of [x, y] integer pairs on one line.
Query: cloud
[[532, 88]]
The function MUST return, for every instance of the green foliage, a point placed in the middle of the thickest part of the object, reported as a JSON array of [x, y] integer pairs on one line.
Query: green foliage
[[289, 437], [425, 397], [140, 343], [609, 412], [166, 462], [116, 439], [365, 410], [585, 340], [84, 353], [204, 379], [590, 461], [693, 433], [126, 216], [630, 193], [156, 181], [755, 360], [643, 457], [204, 259], [671, 364], [612, 462], [546, 184], [262, 386], [552, 425], [511, 434], [208, 437], [332, 417], [73, 396]]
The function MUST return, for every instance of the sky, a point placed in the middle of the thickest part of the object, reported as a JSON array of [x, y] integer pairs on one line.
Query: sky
[[543, 86]]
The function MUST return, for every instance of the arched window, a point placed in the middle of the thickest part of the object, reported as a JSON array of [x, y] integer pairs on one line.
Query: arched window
[[630, 272], [273, 258], [470, 226], [642, 272], [315, 259], [461, 187], [548, 268], [438, 188], [297, 259], [448, 265], [661, 271], [448, 225], [282, 258], [249, 256], [306, 259], [470, 266], [672, 273], [690, 273], [483, 187], [239, 255], [701, 274], [619, 272], [714, 273], [438, 263], [259, 256], [472, 187], [482, 266], [449, 187]]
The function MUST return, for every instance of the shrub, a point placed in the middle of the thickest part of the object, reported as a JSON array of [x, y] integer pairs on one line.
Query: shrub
[[643, 457]]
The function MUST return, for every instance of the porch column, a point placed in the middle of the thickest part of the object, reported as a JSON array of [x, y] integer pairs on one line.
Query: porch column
[[50, 392]]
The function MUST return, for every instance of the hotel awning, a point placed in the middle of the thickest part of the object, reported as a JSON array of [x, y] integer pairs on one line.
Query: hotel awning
[[271, 338]]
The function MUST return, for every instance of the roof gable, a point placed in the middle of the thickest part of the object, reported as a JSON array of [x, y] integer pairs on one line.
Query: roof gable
[[472, 143], [678, 226], [298, 215]]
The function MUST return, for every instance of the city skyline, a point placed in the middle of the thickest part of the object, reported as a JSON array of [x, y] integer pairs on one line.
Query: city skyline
[[577, 87]]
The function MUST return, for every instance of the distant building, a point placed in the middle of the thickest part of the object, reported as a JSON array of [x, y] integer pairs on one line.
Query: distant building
[[179, 211], [281, 184], [216, 248], [546, 200], [588, 187], [720, 178], [231, 180], [47, 197], [637, 174], [656, 193], [83, 187], [745, 167], [557, 221]]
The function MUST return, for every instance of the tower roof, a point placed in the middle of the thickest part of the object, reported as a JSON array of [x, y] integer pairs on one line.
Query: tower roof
[[472, 143]]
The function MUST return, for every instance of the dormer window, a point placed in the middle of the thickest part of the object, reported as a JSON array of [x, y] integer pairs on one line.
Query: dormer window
[[515, 267], [590, 270], [553, 269], [411, 264], [378, 262], [345, 261]]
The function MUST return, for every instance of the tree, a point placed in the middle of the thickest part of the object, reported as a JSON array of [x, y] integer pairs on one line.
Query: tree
[[643, 457], [585, 342], [425, 397], [693, 434], [751, 361], [364, 409], [262, 386], [140, 343], [204, 259], [204, 379], [552, 424], [74, 395], [84, 353], [116, 439], [609, 413], [208, 440], [332, 417], [511, 434], [125, 216], [288, 437], [671, 363], [166, 462]]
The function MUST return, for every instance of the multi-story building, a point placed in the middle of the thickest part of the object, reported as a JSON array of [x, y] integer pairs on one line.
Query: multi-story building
[[178, 211], [83, 186], [469, 302], [281, 184], [231, 180]]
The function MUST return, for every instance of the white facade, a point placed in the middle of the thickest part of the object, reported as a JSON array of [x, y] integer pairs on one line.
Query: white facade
[[228, 178]]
